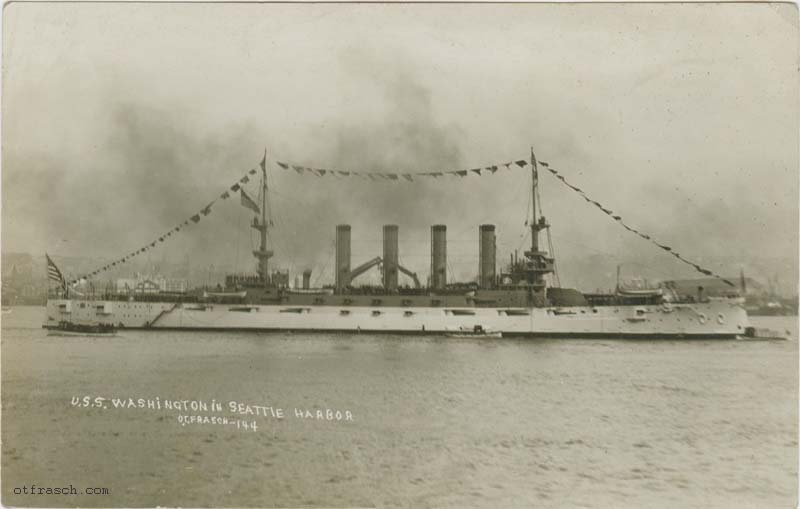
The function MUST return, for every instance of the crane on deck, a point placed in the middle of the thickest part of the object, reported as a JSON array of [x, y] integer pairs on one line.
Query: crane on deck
[[364, 267]]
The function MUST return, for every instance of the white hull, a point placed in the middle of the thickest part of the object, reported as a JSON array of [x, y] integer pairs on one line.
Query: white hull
[[56, 332], [701, 320]]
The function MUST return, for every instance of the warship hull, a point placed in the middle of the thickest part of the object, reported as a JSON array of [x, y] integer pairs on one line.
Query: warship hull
[[716, 319], [519, 301]]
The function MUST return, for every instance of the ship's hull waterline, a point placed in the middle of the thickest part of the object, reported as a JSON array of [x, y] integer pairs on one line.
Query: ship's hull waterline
[[715, 319]]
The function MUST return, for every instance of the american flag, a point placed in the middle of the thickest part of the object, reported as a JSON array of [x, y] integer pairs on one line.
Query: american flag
[[54, 274]]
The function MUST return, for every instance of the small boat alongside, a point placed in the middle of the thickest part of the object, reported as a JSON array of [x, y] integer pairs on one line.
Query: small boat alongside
[[476, 332], [762, 334], [65, 328]]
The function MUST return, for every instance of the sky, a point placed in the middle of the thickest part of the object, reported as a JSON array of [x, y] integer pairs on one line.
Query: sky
[[119, 121]]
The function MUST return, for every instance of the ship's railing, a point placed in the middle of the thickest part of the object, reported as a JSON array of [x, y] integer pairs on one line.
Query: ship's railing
[[380, 290], [147, 297], [73, 294], [613, 299]]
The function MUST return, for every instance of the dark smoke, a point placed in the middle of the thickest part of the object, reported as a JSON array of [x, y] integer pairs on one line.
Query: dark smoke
[[150, 172], [153, 167]]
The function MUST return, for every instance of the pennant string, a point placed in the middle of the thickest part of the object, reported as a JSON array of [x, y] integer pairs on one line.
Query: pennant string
[[205, 211], [619, 220], [301, 170], [408, 177]]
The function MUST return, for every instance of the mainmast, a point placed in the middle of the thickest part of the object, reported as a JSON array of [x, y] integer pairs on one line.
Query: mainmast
[[263, 254], [534, 189], [539, 263]]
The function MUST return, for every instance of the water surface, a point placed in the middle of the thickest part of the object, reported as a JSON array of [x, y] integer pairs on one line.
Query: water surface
[[437, 422]]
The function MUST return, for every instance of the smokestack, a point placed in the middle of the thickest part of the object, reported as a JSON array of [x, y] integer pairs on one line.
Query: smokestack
[[390, 257], [342, 257], [486, 264], [438, 256], [306, 279]]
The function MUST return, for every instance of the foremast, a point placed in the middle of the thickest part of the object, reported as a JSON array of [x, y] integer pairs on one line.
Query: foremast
[[261, 224], [538, 263]]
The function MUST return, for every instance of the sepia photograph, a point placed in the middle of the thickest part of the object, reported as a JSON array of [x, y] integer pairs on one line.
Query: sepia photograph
[[384, 255]]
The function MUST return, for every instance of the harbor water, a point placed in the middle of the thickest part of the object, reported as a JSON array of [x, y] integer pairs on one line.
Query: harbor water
[[166, 419]]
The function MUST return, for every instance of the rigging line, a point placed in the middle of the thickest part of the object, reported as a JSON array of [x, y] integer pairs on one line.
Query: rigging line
[[277, 240], [450, 269], [273, 241], [322, 270], [553, 256], [124, 259], [670, 275], [538, 196], [528, 208], [549, 240], [252, 233], [524, 238], [619, 220], [539, 201], [511, 204], [271, 189], [654, 269], [238, 241], [267, 201]]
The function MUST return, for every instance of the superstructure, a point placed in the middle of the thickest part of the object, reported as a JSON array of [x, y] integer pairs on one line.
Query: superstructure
[[515, 301]]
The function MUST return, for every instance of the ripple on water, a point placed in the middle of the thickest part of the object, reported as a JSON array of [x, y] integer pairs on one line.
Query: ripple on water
[[438, 423]]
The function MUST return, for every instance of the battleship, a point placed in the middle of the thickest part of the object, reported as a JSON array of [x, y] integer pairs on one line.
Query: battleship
[[520, 299]]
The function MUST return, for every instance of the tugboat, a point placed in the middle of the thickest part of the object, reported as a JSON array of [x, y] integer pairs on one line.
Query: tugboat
[[525, 299]]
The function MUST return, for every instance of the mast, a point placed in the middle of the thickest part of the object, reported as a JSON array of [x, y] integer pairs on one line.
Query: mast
[[538, 263], [263, 254], [534, 187]]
